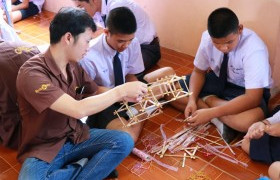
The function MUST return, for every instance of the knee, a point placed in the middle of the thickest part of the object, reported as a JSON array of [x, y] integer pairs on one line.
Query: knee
[[274, 170], [126, 142], [157, 74], [134, 137], [168, 71]]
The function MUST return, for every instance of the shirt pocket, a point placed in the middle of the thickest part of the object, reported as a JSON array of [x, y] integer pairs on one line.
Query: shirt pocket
[[236, 73]]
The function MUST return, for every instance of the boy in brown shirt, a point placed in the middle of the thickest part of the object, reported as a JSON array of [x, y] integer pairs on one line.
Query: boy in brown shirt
[[54, 92], [12, 56]]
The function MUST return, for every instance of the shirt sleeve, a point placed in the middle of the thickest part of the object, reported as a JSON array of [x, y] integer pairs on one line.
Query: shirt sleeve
[[275, 118], [88, 65], [37, 89], [136, 63], [257, 70], [201, 60]]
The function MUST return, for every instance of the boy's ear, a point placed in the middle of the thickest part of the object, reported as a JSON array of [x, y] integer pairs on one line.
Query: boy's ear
[[68, 38], [240, 28], [106, 31]]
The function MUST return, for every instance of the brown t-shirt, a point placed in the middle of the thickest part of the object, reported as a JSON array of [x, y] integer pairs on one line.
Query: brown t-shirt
[[39, 84], [12, 56]]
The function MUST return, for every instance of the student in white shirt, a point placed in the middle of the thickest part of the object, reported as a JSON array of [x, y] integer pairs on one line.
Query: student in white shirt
[[116, 44], [98, 62], [239, 97], [119, 41], [262, 143], [241, 94], [146, 33], [22, 9], [7, 33]]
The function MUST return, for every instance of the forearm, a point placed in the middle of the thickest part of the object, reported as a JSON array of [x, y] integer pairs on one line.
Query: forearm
[[94, 104], [130, 78], [87, 106], [196, 83]]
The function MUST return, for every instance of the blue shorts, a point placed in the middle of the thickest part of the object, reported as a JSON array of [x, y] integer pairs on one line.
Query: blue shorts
[[30, 11], [266, 149], [212, 86]]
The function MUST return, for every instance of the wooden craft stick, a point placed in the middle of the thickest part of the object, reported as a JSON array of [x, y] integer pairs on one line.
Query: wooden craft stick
[[226, 143], [184, 160]]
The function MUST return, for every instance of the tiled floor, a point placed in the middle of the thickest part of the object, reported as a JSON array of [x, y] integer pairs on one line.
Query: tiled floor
[[35, 30]]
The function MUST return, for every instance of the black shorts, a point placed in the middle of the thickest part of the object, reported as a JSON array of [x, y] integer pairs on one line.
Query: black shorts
[[103, 118], [266, 149], [30, 11], [151, 53], [212, 86]]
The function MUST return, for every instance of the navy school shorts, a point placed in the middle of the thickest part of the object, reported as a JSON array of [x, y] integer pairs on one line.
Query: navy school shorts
[[30, 11], [212, 86], [103, 118]]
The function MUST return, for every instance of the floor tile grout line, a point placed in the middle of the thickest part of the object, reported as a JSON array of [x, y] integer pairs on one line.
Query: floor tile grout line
[[131, 172], [6, 161]]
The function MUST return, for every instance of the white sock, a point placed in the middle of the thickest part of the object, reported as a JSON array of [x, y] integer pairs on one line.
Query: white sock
[[84, 119], [134, 111], [218, 124], [206, 97]]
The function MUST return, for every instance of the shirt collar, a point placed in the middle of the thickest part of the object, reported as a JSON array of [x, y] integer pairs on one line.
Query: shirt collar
[[52, 65], [103, 8], [111, 52]]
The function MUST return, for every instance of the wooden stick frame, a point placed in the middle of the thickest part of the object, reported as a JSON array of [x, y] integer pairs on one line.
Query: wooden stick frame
[[167, 86]]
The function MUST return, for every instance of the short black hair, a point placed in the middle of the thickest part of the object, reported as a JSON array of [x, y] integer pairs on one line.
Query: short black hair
[[121, 20], [70, 19], [222, 22]]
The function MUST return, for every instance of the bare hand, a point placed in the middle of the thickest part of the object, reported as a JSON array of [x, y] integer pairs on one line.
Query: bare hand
[[255, 131], [132, 91], [199, 117], [190, 109]]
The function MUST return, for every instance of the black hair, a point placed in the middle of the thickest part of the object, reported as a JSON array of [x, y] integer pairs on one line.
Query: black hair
[[121, 20], [222, 22], [69, 19]]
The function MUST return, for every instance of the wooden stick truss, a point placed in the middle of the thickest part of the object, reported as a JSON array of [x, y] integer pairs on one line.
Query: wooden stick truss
[[150, 106]]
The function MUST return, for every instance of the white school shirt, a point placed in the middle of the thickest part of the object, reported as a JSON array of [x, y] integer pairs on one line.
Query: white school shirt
[[145, 28], [248, 64], [8, 5], [7, 32], [275, 118], [38, 3], [98, 61], [98, 20]]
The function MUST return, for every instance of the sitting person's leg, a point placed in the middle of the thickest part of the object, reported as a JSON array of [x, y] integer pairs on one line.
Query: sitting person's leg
[[181, 103], [151, 53], [107, 119], [240, 121], [22, 13], [274, 171], [104, 150], [259, 144]]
